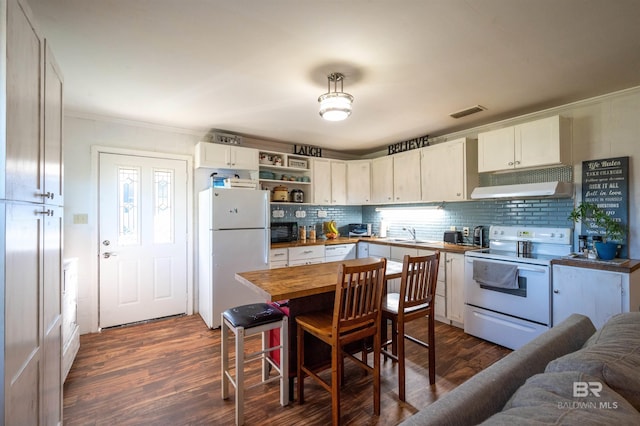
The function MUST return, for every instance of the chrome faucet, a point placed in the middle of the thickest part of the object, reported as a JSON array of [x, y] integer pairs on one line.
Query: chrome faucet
[[411, 231]]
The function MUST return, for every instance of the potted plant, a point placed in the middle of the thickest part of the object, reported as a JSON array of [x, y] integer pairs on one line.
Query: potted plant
[[597, 219]]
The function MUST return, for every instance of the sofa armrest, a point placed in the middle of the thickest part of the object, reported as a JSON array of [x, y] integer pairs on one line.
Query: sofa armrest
[[488, 391]]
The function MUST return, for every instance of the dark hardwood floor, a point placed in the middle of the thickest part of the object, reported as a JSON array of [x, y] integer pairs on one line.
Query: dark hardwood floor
[[168, 373]]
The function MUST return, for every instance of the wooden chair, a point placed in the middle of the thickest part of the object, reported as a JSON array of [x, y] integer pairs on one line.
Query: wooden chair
[[356, 316], [415, 300]]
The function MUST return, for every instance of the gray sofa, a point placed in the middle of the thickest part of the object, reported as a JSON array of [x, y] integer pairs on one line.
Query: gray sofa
[[536, 384]]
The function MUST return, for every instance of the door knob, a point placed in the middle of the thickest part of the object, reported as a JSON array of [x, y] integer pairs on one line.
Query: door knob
[[106, 242], [107, 254]]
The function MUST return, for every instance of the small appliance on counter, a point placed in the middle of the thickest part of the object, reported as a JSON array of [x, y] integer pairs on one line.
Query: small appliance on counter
[[478, 234], [284, 232], [453, 237], [360, 230]]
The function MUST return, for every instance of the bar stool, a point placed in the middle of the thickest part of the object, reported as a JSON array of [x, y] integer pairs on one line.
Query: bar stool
[[245, 321]]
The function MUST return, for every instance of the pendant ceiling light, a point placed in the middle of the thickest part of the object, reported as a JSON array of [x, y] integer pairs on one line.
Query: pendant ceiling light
[[335, 106]]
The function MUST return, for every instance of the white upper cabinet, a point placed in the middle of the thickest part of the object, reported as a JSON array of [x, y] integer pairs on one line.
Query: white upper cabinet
[[338, 182], [382, 180], [329, 181], [449, 171], [218, 156], [406, 176], [539, 143], [359, 182]]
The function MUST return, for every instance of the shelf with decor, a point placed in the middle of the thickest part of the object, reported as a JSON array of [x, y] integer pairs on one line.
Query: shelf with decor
[[277, 169]]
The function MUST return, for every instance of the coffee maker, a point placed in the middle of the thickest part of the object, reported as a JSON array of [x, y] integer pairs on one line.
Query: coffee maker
[[478, 233]]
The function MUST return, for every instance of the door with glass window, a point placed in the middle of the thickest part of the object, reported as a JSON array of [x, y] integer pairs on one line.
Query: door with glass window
[[143, 238]]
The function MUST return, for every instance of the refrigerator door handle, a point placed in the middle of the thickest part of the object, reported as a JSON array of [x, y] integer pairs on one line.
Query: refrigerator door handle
[[267, 246]]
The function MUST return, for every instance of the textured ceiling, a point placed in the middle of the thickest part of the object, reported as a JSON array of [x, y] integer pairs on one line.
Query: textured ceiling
[[257, 67]]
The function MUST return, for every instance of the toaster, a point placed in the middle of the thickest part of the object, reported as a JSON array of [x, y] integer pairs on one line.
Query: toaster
[[453, 237]]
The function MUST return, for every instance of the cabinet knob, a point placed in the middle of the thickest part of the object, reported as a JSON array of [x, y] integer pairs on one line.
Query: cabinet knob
[[556, 291], [517, 162], [510, 163]]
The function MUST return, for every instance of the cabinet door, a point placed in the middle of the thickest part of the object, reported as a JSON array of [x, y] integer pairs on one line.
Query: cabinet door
[[538, 143], [382, 180], [212, 155], [53, 117], [52, 315], [23, 277], [496, 150], [455, 285], [321, 181], [596, 294], [406, 176], [244, 158], [338, 182], [23, 161], [359, 182], [442, 172]]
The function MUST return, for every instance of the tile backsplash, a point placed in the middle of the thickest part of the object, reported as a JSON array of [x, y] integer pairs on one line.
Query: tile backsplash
[[431, 224]]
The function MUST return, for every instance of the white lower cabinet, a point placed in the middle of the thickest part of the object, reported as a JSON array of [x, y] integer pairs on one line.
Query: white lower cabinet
[[278, 258], [70, 329], [454, 267], [337, 252], [306, 255], [594, 293], [362, 250]]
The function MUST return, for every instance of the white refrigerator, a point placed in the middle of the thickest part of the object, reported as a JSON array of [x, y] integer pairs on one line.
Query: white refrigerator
[[234, 237]]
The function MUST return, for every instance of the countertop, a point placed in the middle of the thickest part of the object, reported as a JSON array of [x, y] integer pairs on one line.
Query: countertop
[[617, 265], [432, 245]]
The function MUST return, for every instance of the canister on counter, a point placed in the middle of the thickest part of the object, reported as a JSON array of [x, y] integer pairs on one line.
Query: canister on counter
[[312, 235], [302, 230]]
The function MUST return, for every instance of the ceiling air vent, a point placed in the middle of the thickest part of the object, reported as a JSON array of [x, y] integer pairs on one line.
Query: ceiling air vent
[[467, 111]]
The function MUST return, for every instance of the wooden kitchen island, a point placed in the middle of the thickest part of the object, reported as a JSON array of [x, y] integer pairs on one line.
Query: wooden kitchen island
[[307, 288]]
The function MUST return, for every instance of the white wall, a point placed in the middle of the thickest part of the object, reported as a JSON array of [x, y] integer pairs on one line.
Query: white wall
[[603, 127]]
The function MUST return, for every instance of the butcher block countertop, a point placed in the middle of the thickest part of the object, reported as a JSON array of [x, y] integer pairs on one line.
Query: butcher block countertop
[[617, 265], [305, 280], [431, 245]]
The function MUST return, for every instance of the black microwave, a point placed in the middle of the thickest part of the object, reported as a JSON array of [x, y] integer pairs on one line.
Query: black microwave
[[284, 232]]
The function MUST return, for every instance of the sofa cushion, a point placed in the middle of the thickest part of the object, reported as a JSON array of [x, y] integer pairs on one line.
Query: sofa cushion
[[547, 398], [612, 355]]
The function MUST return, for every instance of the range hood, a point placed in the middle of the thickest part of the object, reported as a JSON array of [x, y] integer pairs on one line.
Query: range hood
[[525, 190]]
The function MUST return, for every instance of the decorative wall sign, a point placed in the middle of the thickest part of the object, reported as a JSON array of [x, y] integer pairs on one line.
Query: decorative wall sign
[[309, 151], [415, 143], [606, 184]]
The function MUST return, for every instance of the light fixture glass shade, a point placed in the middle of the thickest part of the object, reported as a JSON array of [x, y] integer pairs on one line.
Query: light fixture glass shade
[[335, 106]]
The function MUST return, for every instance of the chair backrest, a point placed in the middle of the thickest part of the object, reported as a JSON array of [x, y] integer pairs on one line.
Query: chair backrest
[[418, 282], [358, 299]]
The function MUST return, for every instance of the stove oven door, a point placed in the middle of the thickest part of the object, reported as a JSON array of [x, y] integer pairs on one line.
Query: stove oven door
[[509, 318], [531, 301]]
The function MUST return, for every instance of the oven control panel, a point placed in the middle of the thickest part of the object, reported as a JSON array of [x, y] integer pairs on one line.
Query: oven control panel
[[533, 234]]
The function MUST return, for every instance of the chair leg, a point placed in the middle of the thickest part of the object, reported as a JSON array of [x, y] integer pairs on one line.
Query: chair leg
[[401, 361], [432, 350], [300, 363], [224, 348], [284, 362], [240, 375], [264, 362], [376, 374], [336, 375], [394, 336], [383, 334]]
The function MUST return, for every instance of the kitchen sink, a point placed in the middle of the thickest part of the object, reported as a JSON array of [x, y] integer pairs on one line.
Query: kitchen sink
[[408, 240]]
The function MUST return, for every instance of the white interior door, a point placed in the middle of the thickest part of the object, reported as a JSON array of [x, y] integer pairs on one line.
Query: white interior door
[[143, 238]]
